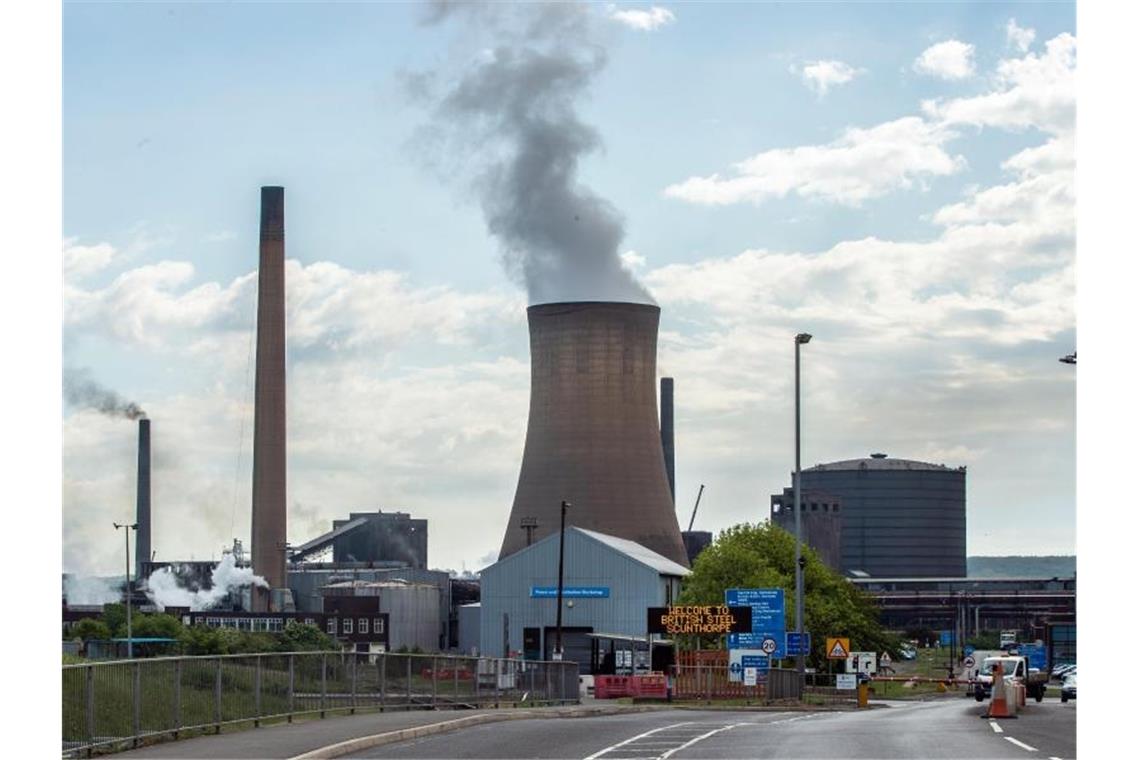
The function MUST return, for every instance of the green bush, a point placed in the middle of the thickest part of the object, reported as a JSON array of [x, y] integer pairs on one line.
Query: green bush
[[89, 628]]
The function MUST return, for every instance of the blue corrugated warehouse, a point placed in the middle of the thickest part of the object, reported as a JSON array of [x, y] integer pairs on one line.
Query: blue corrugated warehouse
[[608, 585]]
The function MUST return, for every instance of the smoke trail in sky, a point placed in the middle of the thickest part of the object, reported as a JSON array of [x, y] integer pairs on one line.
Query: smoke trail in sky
[[80, 390], [514, 110]]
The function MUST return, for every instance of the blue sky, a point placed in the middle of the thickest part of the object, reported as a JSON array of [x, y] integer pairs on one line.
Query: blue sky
[[915, 214]]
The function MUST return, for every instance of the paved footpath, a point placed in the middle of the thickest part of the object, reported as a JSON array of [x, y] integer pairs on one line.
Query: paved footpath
[[289, 740]]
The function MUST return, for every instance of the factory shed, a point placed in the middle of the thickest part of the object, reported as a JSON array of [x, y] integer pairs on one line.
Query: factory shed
[[608, 585], [411, 611]]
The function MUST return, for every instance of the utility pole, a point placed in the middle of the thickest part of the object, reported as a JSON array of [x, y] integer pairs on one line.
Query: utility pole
[[127, 542], [561, 553], [801, 339]]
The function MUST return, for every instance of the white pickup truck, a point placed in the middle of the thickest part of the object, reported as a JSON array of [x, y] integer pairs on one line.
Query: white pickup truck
[[1013, 667]]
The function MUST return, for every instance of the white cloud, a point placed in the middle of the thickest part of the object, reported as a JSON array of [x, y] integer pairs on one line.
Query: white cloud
[[632, 260], [645, 21], [821, 76], [1034, 91], [950, 60], [862, 164], [1000, 272], [1017, 37], [80, 261], [373, 409], [328, 306]]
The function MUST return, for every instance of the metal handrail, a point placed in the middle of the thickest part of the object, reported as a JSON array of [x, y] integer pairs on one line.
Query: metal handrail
[[122, 702]]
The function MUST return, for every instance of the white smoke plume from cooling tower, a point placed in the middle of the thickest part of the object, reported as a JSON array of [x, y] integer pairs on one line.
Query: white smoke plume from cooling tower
[[91, 591], [512, 113], [164, 589]]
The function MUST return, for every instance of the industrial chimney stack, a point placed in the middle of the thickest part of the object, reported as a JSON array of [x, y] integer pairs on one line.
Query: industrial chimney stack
[[592, 438], [268, 524], [142, 499], [667, 434]]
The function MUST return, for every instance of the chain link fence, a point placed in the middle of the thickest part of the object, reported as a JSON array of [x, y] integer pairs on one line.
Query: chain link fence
[[112, 704]]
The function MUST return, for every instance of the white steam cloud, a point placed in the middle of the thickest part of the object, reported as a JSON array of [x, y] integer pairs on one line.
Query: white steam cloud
[[92, 591], [163, 587]]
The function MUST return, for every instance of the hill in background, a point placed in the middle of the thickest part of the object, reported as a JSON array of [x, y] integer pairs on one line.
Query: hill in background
[[1021, 567]]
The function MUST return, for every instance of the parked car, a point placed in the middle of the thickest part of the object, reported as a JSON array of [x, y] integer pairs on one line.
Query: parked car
[[1069, 687], [907, 653], [1060, 671]]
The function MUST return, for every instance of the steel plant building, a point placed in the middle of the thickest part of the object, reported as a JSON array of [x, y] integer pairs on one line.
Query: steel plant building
[[899, 517]]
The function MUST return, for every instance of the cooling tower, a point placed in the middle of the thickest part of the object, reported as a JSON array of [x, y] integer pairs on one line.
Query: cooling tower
[[268, 525], [592, 437], [142, 499]]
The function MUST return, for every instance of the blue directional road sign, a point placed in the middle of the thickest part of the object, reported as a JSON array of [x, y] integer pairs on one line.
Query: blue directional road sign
[[944, 638], [969, 650], [771, 642], [767, 606], [793, 647], [755, 661]]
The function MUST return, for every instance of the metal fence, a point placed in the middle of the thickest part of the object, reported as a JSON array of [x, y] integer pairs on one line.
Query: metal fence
[[110, 704], [820, 689], [710, 681]]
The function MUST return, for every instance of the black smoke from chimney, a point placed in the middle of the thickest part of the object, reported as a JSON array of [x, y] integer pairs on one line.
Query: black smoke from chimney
[[80, 390]]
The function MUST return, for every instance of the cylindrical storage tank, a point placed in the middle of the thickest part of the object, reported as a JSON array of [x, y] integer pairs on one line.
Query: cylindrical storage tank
[[592, 436], [900, 518]]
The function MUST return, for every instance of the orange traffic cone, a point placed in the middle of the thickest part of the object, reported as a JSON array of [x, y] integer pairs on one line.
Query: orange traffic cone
[[999, 705]]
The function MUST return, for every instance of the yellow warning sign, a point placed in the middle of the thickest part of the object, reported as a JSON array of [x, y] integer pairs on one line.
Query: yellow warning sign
[[838, 649]]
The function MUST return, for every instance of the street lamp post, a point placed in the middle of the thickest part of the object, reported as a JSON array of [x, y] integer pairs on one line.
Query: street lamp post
[[561, 553], [127, 543], [801, 339]]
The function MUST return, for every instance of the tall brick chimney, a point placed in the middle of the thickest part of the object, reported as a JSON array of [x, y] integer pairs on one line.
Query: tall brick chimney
[[268, 525]]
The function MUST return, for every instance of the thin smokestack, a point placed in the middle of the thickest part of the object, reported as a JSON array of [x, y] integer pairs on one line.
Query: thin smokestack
[[268, 523], [667, 433], [142, 499]]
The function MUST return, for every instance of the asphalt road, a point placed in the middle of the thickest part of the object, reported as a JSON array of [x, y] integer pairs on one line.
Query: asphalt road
[[947, 728]]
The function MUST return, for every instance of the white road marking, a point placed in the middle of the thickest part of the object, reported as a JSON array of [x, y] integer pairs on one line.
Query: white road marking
[[995, 727], [635, 738], [1023, 745], [660, 746], [691, 742]]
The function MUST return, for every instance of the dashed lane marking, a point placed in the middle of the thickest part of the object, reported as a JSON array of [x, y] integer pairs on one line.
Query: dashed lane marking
[[1023, 745], [997, 729]]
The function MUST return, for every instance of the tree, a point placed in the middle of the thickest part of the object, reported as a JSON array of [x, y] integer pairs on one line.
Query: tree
[[89, 628], [115, 617], [200, 640], [763, 556], [159, 626], [306, 637]]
